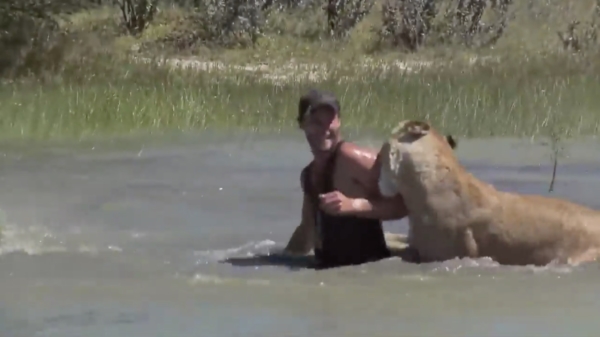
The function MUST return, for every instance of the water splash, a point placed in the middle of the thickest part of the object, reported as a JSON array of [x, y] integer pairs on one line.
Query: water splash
[[39, 239], [249, 249], [486, 264], [32, 240]]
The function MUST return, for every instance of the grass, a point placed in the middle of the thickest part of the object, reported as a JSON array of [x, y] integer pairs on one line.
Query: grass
[[536, 90], [512, 98]]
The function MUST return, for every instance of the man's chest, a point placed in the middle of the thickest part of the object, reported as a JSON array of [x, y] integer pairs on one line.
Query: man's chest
[[344, 182]]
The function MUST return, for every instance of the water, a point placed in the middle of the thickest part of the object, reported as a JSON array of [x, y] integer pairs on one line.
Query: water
[[125, 238]]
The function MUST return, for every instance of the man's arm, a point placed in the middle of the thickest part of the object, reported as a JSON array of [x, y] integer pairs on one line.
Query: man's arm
[[366, 168], [303, 238], [380, 208]]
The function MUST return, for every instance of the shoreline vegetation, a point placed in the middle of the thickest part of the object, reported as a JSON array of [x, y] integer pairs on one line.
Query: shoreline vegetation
[[72, 69]]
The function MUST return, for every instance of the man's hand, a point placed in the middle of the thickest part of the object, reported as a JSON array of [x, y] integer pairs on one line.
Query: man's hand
[[336, 203]]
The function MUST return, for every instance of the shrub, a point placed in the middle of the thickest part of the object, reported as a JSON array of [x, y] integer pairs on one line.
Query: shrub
[[410, 24], [137, 14], [343, 15], [241, 23], [219, 23], [576, 38], [30, 41]]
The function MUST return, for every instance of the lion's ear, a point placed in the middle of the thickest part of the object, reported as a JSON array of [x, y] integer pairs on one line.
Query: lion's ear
[[451, 141], [417, 128]]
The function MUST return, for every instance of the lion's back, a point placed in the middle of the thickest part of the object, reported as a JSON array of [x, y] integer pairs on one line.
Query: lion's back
[[539, 219]]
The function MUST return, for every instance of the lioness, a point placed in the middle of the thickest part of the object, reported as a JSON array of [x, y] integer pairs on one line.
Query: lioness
[[452, 214]]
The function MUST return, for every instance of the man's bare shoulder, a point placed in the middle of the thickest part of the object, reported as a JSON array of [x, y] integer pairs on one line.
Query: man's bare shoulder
[[359, 164], [362, 165], [356, 156]]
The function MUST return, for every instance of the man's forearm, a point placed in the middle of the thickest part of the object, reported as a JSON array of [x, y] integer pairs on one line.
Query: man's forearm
[[381, 208], [301, 241]]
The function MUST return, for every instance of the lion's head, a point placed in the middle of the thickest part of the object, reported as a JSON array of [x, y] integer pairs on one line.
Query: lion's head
[[414, 146]]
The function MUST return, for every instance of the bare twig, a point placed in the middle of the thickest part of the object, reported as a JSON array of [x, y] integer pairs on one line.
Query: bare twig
[[551, 188], [557, 151]]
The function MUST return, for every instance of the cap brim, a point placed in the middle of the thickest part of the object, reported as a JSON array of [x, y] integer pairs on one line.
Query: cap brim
[[323, 105]]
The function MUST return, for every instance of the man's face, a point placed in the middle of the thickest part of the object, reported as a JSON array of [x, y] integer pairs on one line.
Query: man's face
[[321, 128]]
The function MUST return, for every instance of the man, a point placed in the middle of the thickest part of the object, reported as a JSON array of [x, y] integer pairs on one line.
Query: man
[[342, 209]]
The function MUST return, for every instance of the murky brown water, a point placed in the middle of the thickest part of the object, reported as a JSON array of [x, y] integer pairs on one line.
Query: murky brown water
[[125, 239]]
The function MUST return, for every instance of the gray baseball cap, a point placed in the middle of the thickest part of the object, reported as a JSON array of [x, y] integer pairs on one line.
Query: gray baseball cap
[[314, 99]]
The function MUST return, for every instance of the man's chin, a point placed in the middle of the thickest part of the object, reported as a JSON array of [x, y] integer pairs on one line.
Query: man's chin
[[325, 148]]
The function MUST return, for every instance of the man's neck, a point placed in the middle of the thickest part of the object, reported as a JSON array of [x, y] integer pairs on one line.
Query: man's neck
[[320, 158]]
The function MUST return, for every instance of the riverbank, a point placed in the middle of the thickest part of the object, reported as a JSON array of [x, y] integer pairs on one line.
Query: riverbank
[[108, 84]]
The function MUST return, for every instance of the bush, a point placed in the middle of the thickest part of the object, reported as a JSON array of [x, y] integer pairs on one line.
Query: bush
[[219, 23], [343, 15], [31, 42], [576, 38], [241, 23], [410, 24], [137, 14]]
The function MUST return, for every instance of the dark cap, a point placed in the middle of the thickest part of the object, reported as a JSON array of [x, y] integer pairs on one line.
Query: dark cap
[[315, 99]]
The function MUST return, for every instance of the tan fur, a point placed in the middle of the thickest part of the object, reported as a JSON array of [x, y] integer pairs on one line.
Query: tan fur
[[452, 214]]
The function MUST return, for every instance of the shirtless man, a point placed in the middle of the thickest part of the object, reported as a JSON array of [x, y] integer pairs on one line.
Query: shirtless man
[[342, 209]]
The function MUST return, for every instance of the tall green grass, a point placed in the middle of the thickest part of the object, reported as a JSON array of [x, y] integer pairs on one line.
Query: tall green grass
[[516, 97], [84, 84]]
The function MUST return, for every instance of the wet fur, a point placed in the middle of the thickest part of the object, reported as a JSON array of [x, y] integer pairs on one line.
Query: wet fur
[[452, 214]]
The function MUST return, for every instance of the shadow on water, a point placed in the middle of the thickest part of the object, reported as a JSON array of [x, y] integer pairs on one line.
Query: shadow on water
[[276, 260]]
